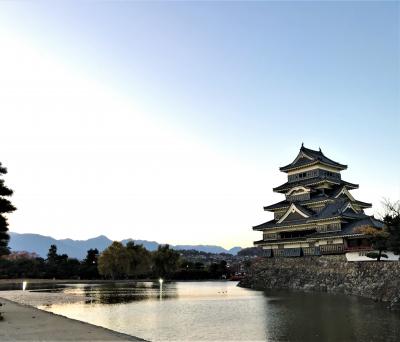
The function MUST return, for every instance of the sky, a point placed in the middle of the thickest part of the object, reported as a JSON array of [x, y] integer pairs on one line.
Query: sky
[[168, 121]]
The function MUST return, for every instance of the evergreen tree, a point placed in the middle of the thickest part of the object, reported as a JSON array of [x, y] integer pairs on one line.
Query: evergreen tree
[[52, 255], [88, 268], [5, 208], [91, 257]]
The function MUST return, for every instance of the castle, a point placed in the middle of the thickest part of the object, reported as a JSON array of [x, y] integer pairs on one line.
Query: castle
[[319, 215]]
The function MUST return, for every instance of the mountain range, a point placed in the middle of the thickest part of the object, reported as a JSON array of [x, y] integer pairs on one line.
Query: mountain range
[[77, 248]]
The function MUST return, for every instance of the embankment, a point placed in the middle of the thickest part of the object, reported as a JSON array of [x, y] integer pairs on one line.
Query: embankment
[[25, 323], [379, 281]]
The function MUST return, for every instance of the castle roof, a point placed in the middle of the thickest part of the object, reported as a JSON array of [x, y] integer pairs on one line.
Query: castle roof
[[308, 157], [286, 204], [349, 229], [339, 208], [314, 199], [312, 182]]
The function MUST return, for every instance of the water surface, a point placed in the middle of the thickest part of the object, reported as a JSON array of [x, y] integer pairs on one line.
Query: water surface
[[221, 311]]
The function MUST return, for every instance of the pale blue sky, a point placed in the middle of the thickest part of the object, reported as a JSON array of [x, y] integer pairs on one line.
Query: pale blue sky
[[225, 92]]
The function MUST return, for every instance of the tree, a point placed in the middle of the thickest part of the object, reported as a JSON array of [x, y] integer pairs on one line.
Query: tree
[[392, 222], [23, 266], [88, 268], [139, 259], [52, 255], [379, 239], [91, 257], [165, 261], [114, 261], [5, 208], [67, 268]]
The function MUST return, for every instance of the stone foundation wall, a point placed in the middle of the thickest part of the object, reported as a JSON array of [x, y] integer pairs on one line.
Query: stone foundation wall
[[379, 281]]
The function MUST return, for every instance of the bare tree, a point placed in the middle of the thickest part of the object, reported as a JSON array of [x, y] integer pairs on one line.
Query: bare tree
[[392, 222]]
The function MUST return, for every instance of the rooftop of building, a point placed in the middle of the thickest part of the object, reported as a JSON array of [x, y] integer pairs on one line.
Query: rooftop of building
[[307, 157], [314, 181], [314, 199], [349, 229], [338, 208]]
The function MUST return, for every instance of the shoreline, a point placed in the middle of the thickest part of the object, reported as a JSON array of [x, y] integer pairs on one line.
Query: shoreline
[[377, 281], [22, 322], [18, 281]]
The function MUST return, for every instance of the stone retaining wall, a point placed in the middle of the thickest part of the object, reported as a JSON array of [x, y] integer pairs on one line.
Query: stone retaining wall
[[379, 281]]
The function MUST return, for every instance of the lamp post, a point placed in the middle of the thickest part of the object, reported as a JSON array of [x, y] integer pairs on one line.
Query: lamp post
[[161, 280]]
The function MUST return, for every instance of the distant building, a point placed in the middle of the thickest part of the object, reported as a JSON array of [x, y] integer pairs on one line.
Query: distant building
[[319, 215]]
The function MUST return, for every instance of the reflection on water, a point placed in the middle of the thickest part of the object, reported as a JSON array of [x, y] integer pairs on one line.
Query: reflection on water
[[124, 293], [212, 311], [31, 286]]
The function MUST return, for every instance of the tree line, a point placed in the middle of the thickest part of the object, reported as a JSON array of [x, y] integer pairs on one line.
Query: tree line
[[30, 265], [116, 262], [134, 261]]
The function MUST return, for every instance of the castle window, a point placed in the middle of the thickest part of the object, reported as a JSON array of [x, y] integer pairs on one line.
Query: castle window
[[303, 175]]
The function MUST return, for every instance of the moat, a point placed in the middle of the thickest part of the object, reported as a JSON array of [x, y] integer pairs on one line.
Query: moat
[[219, 310]]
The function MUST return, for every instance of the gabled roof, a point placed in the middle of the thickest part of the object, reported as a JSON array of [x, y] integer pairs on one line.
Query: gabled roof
[[363, 204], [286, 204], [313, 181], [350, 228], [268, 224], [344, 191], [280, 205], [295, 208], [308, 157], [335, 209]]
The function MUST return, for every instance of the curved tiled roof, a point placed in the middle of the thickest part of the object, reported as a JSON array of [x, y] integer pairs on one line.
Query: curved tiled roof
[[316, 158], [300, 208], [334, 210], [363, 204], [286, 204], [313, 181], [349, 229]]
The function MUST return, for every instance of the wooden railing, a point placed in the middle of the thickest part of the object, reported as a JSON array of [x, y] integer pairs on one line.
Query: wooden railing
[[299, 197], [332, 249], [309, 251], [320, 250]]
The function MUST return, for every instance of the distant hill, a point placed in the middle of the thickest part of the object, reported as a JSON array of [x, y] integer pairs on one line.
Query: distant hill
[[77, 248]]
